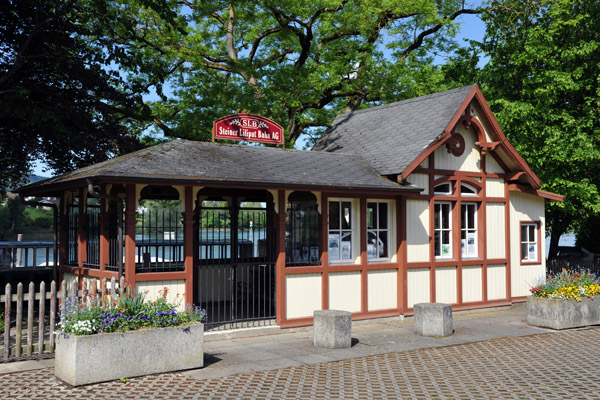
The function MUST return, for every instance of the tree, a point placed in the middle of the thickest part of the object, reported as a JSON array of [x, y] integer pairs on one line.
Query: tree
[[60, 100], [297, 62], [542, 83]]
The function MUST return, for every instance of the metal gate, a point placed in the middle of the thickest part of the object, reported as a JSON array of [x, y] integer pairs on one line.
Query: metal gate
[[235, 266]]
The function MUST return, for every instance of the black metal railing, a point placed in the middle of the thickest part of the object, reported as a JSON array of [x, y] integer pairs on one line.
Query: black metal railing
[[73, 234], [92, 244], [555, 266], [14, 255]]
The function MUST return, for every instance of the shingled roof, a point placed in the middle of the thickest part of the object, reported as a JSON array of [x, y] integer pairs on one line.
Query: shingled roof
[[391, 136], [202, 163]]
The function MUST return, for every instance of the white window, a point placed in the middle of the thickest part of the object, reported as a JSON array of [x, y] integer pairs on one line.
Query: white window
[[443, 230], [443, 188], [342, 227], [468, 229], [529, 241], [378, 230], [467, 190]]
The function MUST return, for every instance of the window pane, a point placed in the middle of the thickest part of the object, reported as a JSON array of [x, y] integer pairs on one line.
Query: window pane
[[372, 245], [471, 215], [444, 188], [437, 243], [532, 233], [334, 215], [383, 215], [466, 189], [371, 215], [382, 245], [445, 215], [463, 219], [523, 233], [445, 237], [436, 222], [523, 251], [346, 215], [346, 249]]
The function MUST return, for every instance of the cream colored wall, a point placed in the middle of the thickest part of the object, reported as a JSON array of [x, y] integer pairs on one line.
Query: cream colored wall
[[525, 207], [382, 289], [468, 161], [420, 180], [152, 290], [417, 230], [344, 291], [303, 295], [495, 231], [445, 285], [417, 282], [471, 284], [494, 187], [496, 281], [491, 165], [68, 280]]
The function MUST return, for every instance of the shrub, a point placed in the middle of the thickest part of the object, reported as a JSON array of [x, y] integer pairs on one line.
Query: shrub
[[123, 312], [568, 285]]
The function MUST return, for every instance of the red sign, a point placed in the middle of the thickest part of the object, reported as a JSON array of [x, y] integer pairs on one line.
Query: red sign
[[252, 128]]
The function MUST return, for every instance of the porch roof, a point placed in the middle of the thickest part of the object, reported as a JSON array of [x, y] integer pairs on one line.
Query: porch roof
[[205, 163]]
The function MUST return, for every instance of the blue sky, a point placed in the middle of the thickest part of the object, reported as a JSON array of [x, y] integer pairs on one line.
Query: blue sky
[[471, 27]]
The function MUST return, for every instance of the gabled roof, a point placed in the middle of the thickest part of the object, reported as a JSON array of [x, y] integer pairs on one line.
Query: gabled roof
[[395, 138], [391, 136], [205, 162]]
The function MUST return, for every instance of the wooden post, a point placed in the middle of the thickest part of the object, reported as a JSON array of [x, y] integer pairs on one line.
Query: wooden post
[[7, 303], [188, 245], [19, 324], [30, 300], [42, 307], [52, 314], [130, 239]]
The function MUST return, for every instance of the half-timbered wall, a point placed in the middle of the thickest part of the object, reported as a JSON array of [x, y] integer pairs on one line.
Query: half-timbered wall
[[526, 208], [480, 276]]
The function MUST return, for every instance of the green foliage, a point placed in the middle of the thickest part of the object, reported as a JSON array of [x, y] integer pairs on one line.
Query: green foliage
[[297, 62], [542, 84], [61, 99], [2, 322], [124, 312]]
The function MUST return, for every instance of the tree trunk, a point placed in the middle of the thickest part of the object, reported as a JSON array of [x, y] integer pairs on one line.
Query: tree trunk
[[554, 239]]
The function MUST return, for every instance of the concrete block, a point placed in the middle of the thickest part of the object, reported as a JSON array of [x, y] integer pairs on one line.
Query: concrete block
[[81, 360], [433, 319], [332, 329], [563, 313]]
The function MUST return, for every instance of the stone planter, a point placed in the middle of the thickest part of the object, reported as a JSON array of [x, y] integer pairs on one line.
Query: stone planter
[[82, 360], [563, 313]]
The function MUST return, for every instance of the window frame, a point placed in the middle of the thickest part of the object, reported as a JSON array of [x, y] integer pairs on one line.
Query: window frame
[[377, 230], [538, 243], [441, 256], [354, 230], [464, 221], [309, 242]]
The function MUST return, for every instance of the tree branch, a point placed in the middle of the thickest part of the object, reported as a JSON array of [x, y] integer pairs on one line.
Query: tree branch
[[258, 40]]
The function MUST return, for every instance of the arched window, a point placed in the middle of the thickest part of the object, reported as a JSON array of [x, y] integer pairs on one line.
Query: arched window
[[302, 230], [467, 190], [443, 188]]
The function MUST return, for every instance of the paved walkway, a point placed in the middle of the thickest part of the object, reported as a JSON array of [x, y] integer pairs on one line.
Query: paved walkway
[[492, 355]]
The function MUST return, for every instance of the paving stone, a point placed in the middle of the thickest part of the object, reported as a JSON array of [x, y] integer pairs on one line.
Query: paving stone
[[548, 366]]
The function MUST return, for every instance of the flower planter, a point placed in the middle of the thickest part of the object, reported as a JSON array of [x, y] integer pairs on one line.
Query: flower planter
[[563, 313], [82, 360]]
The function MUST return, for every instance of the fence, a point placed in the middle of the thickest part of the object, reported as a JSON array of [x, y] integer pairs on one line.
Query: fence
[[18, 342], [557, 265], [26, 255]]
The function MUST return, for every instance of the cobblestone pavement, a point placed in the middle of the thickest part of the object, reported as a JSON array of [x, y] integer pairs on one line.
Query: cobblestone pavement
[[561, 365]]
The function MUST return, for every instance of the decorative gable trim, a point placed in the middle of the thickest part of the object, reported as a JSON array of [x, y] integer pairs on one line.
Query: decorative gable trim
[[463, 114]]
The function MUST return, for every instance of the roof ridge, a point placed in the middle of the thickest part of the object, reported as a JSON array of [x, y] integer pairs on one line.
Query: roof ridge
[[408, 101]]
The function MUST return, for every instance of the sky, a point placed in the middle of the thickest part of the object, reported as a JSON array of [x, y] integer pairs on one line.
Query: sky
[[471, 27]]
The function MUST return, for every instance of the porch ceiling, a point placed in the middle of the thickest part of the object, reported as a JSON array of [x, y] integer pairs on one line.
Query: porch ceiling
[[205, 163]]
